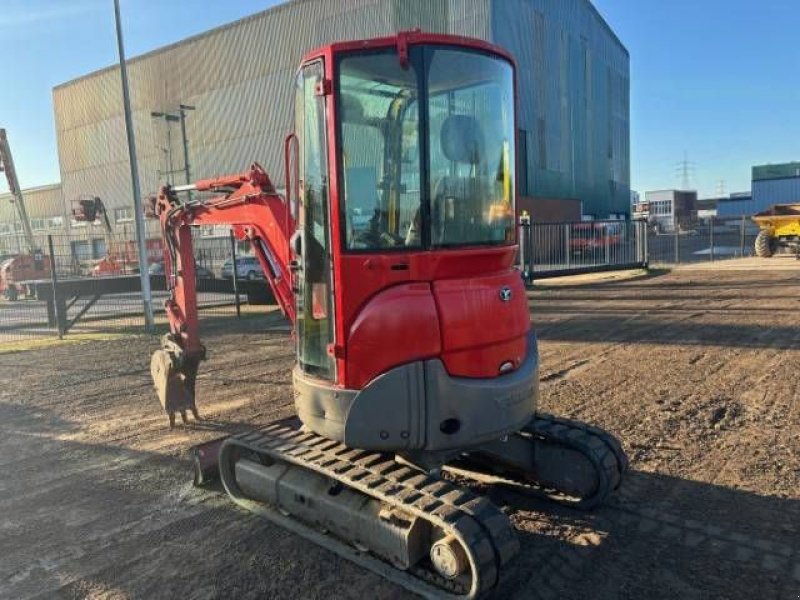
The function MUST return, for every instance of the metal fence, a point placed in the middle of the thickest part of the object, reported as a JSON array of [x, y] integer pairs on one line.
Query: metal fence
[[713, 239], [83, 285], [96, 288], [556, 249]]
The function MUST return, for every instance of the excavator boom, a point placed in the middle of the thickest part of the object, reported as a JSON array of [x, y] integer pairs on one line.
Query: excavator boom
[[249, 204]]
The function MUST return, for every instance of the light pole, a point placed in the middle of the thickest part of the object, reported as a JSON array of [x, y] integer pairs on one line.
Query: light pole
[[168, 118], [138, 213], [181, 118], [182, 108]]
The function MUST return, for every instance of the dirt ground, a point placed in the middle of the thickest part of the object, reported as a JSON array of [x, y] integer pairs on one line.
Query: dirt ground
[[695, 371]]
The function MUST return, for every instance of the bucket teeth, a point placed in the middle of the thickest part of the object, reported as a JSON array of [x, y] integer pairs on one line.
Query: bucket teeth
[[175, 388]]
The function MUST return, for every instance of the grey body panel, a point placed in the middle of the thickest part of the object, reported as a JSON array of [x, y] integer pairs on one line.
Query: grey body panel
[[419, 407]]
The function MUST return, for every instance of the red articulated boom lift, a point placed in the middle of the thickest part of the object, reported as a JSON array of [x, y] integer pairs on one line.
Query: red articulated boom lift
[[88, 209], [392, 255]]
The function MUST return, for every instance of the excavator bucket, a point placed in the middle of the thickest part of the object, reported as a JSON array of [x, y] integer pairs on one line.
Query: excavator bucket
[[175, 387]]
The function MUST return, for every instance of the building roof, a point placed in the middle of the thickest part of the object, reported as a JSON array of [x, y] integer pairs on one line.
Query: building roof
[[779, 171], [30, 190]]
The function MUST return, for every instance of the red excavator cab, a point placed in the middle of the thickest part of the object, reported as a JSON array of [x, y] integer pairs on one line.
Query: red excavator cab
[[406, 211]]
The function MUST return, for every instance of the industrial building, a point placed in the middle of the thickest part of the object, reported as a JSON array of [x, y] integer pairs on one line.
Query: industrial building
[[46, 212], [735, 205], [216, 102], [771, 184], [775, 184], [669, 210]]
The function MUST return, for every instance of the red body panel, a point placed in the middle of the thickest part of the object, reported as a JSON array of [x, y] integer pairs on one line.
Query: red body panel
[[365, 276], [397, 326], [463, 321], [481, 330]]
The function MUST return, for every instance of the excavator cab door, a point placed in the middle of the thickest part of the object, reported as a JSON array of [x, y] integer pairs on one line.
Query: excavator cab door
[[313, 277]]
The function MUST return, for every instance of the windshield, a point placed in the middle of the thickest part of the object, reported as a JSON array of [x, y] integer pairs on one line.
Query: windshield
[[406, 185]]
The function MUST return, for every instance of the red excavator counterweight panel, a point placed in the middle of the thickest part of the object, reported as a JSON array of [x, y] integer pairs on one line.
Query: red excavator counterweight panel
[[485, 323], [398, 326]]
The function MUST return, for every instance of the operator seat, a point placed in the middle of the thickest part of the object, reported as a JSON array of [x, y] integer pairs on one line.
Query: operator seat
[[457, 203]]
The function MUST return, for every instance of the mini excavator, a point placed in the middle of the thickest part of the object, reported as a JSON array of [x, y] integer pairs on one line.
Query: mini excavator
[[391, 251]]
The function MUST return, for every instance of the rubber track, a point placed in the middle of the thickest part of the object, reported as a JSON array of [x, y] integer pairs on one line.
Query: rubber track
[[600, 447], [484, 531]]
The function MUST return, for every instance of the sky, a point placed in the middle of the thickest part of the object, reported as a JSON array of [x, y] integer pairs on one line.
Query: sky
[[715, 80]]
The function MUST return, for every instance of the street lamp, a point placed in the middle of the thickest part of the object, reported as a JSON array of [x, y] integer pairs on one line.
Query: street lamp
[[175, 118]]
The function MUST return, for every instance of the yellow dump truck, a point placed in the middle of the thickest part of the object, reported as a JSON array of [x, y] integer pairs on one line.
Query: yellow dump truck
[[780, 230]]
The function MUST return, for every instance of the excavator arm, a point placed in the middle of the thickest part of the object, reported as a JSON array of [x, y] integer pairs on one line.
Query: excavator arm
[[249, 204]]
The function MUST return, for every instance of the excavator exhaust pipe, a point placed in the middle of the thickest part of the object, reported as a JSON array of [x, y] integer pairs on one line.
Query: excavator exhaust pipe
[[174, 382]]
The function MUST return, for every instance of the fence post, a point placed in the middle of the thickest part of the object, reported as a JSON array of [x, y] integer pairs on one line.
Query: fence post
[[677, 247], [567, 241], [637, 236], [741, 250], [644, 227], [235, 277], [531, 259], [54, 282], [711, 237], [525, 254]]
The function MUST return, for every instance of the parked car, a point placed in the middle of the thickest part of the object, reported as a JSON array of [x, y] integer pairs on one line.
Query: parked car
[[247, 267], [589, 238], [201, 272]]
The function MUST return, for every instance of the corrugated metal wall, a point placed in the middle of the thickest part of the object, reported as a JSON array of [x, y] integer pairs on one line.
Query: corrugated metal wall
[[775, 191], [574, 80], [239, 78], [737, 207]]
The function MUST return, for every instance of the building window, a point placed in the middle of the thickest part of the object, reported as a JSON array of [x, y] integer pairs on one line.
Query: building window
[[661, 207], [38, 224], [123, 215], [55, 222]]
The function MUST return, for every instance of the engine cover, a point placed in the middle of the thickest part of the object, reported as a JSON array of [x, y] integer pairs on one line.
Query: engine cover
[[420, 406]]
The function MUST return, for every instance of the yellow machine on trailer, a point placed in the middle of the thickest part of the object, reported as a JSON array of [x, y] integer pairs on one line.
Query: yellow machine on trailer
[[780, 230]]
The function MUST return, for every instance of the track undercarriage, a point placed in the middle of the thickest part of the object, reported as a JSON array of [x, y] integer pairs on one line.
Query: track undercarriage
[[416, 528]]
